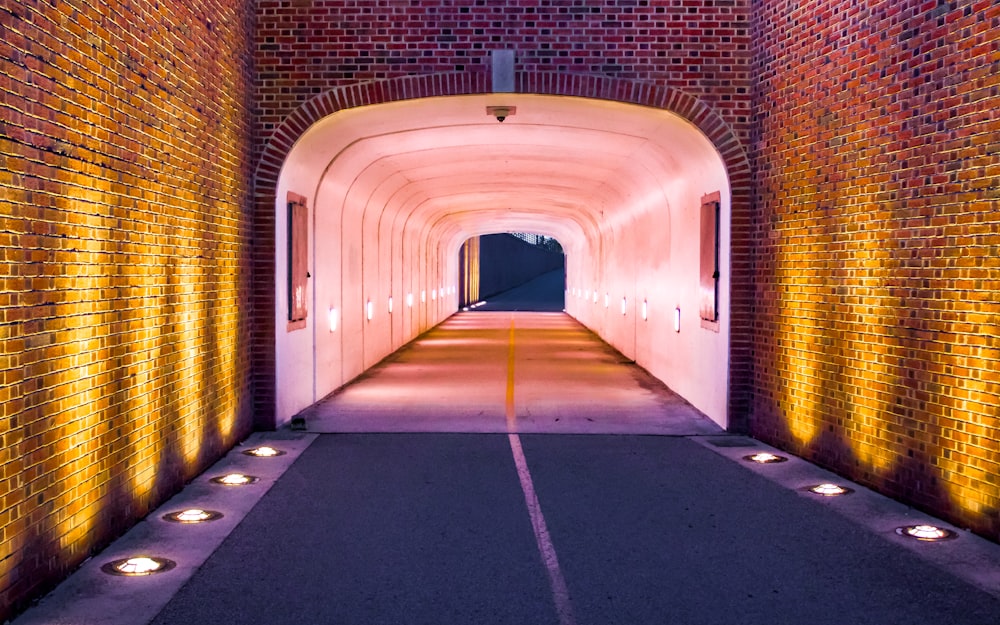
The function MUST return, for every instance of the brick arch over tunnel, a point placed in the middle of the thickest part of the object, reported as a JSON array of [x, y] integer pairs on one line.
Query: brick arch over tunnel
[[699, 114]]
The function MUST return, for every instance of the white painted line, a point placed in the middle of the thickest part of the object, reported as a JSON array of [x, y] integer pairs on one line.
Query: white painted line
[[560, 593], [548, 552]]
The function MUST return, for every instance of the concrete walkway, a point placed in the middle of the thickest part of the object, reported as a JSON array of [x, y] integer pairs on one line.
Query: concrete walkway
[[407, 516], [455, 379]]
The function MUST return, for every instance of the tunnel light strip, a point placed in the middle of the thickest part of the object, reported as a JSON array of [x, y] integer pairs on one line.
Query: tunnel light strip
[[645, 310], [677, 319], [624, 306], [423, 297], [369, 310], [390, 304], [333, 316]]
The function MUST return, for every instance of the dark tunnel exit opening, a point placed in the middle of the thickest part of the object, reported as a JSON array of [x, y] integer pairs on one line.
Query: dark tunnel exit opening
[[512, 271]]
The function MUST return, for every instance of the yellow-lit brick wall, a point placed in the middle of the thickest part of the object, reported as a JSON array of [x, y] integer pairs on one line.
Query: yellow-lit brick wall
[[877, 178], [125, 140]]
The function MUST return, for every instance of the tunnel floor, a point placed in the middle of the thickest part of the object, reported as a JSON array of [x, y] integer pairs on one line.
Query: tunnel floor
[[454, 378]]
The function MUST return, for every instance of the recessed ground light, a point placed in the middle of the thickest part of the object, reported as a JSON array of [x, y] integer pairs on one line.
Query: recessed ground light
[[234, 479], [765, 457], [926, 533], [829, 490], [194, 515], [264, 452], [138, 566]]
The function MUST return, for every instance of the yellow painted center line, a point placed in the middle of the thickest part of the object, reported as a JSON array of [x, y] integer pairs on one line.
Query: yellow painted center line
[[560, 592], [510, 411]]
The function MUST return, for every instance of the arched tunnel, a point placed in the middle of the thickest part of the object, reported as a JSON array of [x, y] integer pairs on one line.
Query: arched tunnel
[[374, 202]]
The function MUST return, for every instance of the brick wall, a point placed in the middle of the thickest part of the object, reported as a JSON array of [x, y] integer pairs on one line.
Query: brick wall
[[315, 57], [877, 177], [306, 47], [125, 142]]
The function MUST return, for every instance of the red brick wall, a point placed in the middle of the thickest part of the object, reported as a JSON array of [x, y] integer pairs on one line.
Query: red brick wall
[[306, 47], [315, 57], [125, 146], [877, 177]]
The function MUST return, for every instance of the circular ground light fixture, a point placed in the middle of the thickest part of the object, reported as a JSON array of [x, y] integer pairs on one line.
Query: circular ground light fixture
[[193, 515], [264, 452], [138, 566], [828, 489], [235, 479], [764, 457], [926, 533]]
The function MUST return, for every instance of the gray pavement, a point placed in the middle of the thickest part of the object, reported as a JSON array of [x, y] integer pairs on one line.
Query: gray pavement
[[546, 293], [454, 379], [432, 529]]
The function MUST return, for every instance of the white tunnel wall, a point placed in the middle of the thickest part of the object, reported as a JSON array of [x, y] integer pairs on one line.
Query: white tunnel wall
[[631, 263], [380, 231]]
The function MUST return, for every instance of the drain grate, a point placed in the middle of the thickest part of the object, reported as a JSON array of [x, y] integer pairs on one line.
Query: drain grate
[[731, 441]]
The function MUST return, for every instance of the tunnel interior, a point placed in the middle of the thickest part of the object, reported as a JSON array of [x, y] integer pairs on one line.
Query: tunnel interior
[[375, 204]]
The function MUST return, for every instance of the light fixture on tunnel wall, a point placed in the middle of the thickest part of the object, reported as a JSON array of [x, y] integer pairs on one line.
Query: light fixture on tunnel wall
[[645, 310], [926, 533], [332, 316], [624, 305], [677, 319], [595, 296], [764, 457], [423, 297], [390, 304], [369, 310], [138, 566], [434, 294], [409, 300], [607, 299]]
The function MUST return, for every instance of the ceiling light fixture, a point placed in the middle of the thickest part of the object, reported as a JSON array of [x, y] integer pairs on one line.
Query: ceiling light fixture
[[501, 112]]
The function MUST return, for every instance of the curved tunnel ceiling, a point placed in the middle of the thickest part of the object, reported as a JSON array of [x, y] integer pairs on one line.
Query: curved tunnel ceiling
[[561, 166]]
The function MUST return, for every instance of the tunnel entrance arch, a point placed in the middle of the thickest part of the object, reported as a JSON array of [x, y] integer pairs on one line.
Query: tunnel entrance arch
[[289, 143]]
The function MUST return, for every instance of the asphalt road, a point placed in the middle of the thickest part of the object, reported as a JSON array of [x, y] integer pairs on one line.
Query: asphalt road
[[546, 293], [434, 529]]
